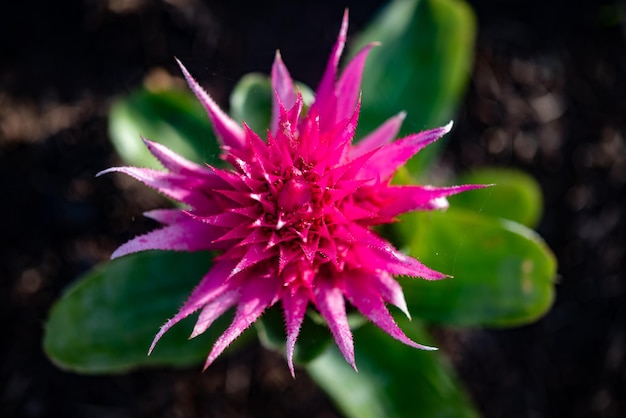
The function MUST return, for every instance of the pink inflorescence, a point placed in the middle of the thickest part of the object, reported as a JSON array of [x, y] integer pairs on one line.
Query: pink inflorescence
[[292, 218]]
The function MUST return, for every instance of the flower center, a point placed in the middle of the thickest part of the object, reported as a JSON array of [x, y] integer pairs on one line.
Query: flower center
[[294, 194]]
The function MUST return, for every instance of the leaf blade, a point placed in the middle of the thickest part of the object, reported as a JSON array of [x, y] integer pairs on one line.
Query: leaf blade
[[422, 66], [394, 380], [503, 273], [106, 321], [173, 118], [515, 195]]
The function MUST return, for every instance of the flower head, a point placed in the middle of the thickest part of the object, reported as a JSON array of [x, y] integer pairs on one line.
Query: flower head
[[292, 218]]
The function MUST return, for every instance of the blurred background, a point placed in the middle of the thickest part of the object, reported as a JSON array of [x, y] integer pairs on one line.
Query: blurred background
[[547, 94]]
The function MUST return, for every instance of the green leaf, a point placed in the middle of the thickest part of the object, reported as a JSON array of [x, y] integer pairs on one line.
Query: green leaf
[[421, 67], [503, 273], [173, 118], [515, 195], [106, 321], [394, 380], [251, 101]]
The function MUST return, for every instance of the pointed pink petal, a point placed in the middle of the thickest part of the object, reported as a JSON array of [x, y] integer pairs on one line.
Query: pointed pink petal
[[231, 178], [167, 216], [188, 235], [254, 236], [346, 187], [342, 138], [174, 162], [181, 188], [350, 170], [253, 255], [237, 233], [249, 160], [213, 310], [287, 126], [310, 249], [349, 85], [395, 262], [241, 197], [357, 212], [325, 99], [383, 135], [328, 245], [368, 301], [210, 287], [287, 255], [376, 253], [389, 158], [409, 198], [225, 219], [256, 295], [251, 212], [226, 129], [283, 86], [257, 147], [391, 291], [368, 238], [294, 306], [330, 304], [310, 138]]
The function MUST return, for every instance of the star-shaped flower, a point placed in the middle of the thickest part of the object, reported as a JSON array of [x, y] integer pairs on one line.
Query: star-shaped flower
[[292, 218]]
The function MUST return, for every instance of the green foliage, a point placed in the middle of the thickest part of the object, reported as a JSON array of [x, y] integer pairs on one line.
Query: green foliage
[[515, 196], [173, 118], [422, 67], [503, 273], [394, 380], [106, 321], [251, 101]]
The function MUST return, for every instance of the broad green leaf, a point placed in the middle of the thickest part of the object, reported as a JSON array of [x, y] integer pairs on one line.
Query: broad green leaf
[[503, 273], [251, 101], [173, 118], [515, 195], [106, 321], [421, 67], [394, 380]]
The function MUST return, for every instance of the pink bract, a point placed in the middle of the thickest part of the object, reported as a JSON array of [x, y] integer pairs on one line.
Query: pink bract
[[293, 217]]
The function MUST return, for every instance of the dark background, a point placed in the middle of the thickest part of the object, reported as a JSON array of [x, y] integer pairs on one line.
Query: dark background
[[547, 94]]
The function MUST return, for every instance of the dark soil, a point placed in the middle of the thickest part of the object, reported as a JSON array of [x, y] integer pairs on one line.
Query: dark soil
[[547, 95]]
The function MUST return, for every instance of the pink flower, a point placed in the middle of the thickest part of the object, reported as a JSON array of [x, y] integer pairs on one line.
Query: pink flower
[[293, 217]]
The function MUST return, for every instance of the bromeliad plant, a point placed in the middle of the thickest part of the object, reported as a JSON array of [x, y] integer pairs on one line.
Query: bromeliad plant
[[293, 217], [291, 223]]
